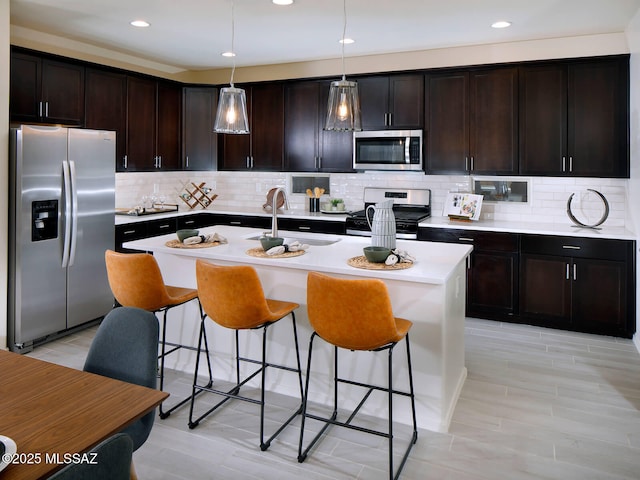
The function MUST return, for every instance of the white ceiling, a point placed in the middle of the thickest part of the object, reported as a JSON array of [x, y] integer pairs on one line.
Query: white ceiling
[[192, 34]]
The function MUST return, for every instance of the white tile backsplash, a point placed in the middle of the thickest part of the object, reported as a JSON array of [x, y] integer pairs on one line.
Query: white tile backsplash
[[548, 195]]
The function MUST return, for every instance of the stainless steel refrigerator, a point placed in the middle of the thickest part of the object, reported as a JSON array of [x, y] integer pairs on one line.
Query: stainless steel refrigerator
[[61, 221]]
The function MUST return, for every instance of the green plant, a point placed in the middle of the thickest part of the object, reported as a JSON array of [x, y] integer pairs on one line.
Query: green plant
[[336, 201]]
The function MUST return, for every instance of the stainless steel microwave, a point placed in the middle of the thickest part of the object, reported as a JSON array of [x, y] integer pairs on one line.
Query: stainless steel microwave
[[387, 150]]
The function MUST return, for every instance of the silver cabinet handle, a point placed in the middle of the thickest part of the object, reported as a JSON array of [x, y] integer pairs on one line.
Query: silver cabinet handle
[[303, 227], [564, 164], [125, 161], [39, 109], [187, 161], [466, 163], [129, 232], [46, 109], [571, 164], [471, 163], [575, 272], [164, 226], [159, 161], [567, 271], [465, 239], [571, 247]]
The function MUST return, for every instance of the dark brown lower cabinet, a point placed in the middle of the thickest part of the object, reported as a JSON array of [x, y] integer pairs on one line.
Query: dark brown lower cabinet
[[569, 283], [578, 284], [492, 274]]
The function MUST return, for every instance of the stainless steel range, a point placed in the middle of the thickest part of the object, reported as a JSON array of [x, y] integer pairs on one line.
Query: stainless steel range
[[410, 207]]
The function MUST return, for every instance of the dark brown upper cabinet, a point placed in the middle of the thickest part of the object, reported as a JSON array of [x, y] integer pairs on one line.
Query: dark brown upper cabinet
[[472, 121], [199, 142], [106, 106], [392, 101], [574, 118], [44, 90], [308, 148], [153, 125], [263, 147]]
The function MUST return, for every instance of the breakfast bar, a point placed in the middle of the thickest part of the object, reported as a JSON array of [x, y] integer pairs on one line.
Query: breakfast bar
[[430, 293]]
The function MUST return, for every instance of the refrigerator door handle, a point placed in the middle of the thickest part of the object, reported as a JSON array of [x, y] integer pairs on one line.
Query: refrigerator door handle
[[66, 175], [74, 213]]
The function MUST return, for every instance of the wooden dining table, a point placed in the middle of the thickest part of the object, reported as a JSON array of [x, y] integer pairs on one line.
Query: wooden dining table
[[56, 413]]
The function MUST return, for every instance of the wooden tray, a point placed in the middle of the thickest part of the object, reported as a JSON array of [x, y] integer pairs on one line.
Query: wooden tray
[[178, 244], [362, 262], [260, 253]]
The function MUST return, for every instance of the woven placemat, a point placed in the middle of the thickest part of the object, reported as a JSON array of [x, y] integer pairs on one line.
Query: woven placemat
[[179, 244], [362, 262], [259, 252]]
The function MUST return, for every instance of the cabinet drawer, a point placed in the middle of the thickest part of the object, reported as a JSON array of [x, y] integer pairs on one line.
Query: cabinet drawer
[[316, 226], [481, 241], [161, 227], [605, 249], [131, 231]]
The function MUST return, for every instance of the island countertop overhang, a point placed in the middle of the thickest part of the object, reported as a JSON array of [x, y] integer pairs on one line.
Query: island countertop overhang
[[434, 264]]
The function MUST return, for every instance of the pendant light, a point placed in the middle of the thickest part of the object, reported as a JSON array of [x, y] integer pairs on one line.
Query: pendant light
[[231, 116], [343, 109]]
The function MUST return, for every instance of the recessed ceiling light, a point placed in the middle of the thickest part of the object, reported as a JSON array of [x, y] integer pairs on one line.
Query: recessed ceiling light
[[282, 2], [347, 41], [228, 54], [140, 23], [501, 24]]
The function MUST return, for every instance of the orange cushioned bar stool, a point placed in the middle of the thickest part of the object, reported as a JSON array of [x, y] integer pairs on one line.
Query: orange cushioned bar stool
[[232, 296], [356, 315], [136, 281]]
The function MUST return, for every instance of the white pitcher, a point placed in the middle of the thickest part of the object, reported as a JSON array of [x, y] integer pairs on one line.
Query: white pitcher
[[383, 226]]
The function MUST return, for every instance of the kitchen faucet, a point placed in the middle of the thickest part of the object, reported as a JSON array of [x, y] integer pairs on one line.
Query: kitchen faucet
[[274, 205]]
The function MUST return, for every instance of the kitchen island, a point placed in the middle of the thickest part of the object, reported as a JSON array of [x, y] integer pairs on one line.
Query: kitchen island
[[431, 293]]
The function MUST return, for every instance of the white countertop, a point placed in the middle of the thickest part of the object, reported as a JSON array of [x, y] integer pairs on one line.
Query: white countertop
[[435, 262], [567, 229]]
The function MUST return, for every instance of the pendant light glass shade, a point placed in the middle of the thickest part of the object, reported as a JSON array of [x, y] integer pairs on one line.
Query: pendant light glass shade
[[231, 116], [343, 109]]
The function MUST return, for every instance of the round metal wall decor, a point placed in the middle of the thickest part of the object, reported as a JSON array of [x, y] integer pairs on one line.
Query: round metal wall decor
[[605, 213]]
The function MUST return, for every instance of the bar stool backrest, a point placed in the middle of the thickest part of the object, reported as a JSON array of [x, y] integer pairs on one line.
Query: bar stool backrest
[[355, 314], [136, 281], [232, 296]]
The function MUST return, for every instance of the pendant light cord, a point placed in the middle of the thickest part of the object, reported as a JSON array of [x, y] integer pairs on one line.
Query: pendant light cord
[[344, 33], [233, 50]]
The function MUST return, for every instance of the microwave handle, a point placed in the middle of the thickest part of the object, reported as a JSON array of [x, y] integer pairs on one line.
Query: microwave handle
[[407, 150]]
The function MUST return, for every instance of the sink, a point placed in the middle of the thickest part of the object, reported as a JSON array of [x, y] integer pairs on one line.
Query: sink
[[318, 241]]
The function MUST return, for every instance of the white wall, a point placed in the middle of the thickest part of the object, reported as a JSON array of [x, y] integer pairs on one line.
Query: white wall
[[4, 165], [633, 38]]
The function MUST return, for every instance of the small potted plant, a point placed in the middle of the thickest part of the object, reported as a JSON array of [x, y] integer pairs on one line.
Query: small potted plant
[[337, 204]]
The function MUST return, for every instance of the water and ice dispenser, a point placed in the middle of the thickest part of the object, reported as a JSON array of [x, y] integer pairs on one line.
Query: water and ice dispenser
[[44, 220]]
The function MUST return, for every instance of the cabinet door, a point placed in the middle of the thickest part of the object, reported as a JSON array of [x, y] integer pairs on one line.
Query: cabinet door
[[597, 115], [493, 139], [335, 148], [169, 107], [543, 119], [106, 107], [25, 87], [599, 292], [199, 141], [141, 123], [43, 90], [492, 284], [406, 101], [374, 101], [447, 126], [63, 92], [302, 103], [234, 151], [267, 126], [545, 289]]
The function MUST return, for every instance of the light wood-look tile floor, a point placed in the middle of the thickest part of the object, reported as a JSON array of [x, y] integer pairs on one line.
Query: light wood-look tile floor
[[537, 404]]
